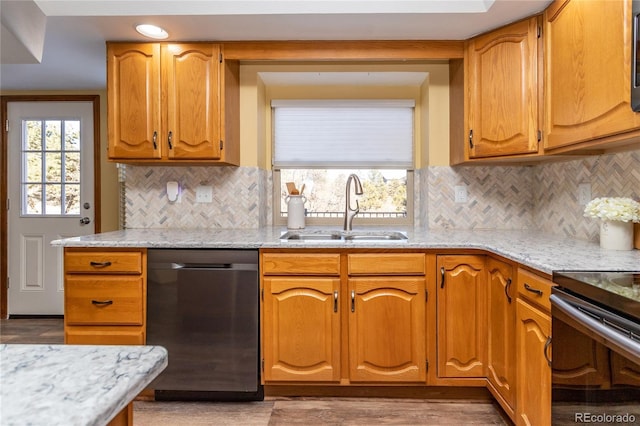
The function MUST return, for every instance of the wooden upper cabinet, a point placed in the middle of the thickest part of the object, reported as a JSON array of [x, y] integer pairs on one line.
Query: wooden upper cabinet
[[172, 102], [502, 79], [587, 73], [133, 93], [193, 100]]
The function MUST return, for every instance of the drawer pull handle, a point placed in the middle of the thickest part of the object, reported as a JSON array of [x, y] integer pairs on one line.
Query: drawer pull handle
[[100, 264], [532, 290], [102, 302], [507, 287]]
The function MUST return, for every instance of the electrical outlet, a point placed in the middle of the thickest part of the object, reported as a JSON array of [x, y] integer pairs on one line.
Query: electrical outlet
[[204, 194], [460, 193], [584, 193]]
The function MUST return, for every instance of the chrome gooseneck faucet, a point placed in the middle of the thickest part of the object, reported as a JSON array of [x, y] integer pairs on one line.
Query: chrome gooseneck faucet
[[350, 213]]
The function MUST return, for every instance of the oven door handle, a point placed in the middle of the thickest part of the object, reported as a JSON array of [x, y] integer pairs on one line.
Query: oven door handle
[[614, 339]]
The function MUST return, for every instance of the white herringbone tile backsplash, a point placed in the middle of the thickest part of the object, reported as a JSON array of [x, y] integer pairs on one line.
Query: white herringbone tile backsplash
[[498, 197], [504, 197], [556, 207], [239, 194]]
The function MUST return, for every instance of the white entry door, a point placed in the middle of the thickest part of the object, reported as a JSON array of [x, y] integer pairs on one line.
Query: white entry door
[[50, 185]]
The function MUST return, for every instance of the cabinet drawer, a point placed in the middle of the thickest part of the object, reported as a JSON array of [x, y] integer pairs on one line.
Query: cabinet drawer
[[301, 264], [534, 288], [103, 262], [106, 300], [118, 335], [387, 264]]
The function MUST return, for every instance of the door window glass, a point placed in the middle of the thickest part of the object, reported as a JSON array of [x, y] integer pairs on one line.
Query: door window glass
[[50, 167]]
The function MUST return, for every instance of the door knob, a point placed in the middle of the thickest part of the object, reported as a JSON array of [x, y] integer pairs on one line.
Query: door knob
[[85, 221]]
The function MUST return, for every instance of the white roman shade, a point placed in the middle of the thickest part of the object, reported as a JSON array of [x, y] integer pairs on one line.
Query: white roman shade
[[343, 133]]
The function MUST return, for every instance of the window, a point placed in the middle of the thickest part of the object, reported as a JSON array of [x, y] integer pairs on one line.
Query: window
[[318, 143], [50, 167]]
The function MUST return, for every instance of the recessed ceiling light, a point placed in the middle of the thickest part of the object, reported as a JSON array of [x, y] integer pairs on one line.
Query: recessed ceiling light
[[152, 31]]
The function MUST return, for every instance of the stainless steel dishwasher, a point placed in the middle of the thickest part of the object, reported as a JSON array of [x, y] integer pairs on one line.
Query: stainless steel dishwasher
[[203, 306]]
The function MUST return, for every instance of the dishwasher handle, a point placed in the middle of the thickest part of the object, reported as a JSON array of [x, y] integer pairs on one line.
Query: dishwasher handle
[[179, 265], [203, 265], [601, 327]]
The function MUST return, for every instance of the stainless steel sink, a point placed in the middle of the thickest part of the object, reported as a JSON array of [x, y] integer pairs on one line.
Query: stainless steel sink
[[375, 236], [310, 236], [343, 235]]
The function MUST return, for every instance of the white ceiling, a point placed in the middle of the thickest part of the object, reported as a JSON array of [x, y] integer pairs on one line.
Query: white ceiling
[[60, 44]]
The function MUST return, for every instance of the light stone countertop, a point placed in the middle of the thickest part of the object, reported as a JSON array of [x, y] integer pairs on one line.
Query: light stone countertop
[[73, 385], [541, 251]]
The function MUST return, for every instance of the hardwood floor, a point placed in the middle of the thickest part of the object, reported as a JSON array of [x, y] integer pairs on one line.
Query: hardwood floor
[[280, 411]]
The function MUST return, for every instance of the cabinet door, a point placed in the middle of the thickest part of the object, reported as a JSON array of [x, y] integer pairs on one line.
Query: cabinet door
[[133, 107], [192, 74], [387, 329], [503, 89], [461, 316], [501, 357], [533, 405], [301, 329], [587, 71]]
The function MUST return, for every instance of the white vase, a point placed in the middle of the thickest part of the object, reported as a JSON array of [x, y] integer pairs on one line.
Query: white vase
[[615, 235]]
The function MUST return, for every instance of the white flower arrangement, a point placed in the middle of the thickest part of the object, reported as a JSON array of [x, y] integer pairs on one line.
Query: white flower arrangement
[[613, 208]]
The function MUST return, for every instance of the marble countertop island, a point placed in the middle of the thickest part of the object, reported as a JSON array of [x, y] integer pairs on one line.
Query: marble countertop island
[[541, 251], [73, 384]]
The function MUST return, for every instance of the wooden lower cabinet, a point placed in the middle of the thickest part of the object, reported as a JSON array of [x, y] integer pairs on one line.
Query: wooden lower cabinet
[[501, 353], [105, 301], [533, 402], [367, 317], [387, 329], [461, 306], [533, 349], [301, 329], [105, 296], [347, 317]]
